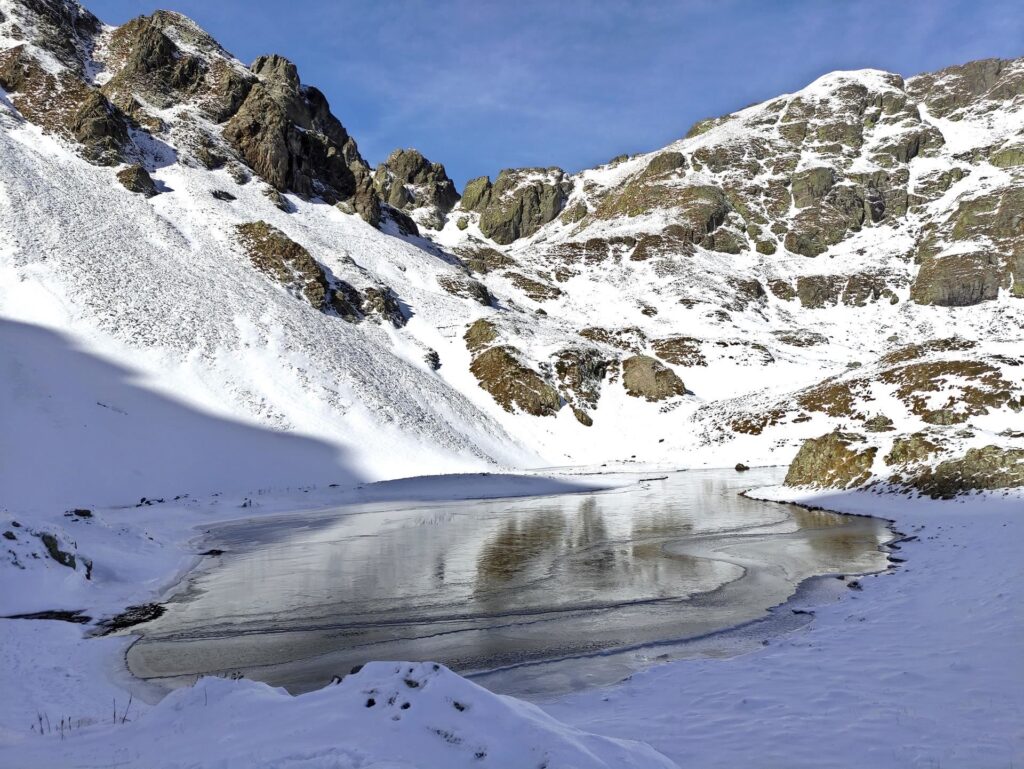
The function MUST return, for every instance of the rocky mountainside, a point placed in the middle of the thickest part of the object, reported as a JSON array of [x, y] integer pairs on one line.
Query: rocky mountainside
[[843, 264]]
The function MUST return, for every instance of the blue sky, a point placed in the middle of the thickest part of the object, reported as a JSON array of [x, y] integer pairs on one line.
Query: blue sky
[[480, 86]]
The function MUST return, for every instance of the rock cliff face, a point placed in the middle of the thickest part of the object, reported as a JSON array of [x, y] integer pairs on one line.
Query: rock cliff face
[[286, 133], [843, 265], [519, 202], [407, 181]]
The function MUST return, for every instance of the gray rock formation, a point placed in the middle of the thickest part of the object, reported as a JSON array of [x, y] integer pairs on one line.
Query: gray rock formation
[[286, 133], [519, 202], [409, 182]]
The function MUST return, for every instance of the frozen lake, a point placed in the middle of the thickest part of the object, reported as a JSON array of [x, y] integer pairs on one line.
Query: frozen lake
[[533, 595]]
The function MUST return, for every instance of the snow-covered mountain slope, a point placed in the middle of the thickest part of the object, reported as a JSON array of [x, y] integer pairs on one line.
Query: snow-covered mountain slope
[[166, 342], [236, 300], [770, 249]]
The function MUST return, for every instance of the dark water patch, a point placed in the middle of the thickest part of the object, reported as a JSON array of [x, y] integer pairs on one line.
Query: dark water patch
[[60, 615], [130, 617]]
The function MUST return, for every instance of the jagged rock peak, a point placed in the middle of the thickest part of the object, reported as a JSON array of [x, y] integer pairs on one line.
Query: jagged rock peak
[[276, 69], [116, 80], [63, 29], [165, 60], [46, 50], [407, 181], [519, 202], [948, 92], [287, 134]]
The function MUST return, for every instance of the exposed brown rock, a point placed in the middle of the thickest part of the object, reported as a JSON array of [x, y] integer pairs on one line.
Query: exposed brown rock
[[466, 287], [646, 377], [535, 289], [974, 387], [64, 105], [512, 384], [631, 339], [990, 467], [480, 334], [680, 350], [832, 461], [275, 254], [911, 449], [136, 179]]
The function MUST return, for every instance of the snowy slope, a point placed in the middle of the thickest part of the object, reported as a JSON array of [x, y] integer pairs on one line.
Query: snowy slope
[[157, 296], [757, 320], [166, 329], [387, 715]]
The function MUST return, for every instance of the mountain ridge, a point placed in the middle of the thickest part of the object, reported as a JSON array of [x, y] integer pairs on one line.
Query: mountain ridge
[[624, 312]]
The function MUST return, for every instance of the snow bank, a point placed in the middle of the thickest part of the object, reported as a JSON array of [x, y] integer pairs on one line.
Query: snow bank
[[389, 714]]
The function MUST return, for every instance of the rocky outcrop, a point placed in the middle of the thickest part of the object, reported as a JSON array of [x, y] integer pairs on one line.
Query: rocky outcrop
[[483, 259], [53, 549], [680, 350], [61, 103], [817, 227], [290, 264], [409, 182], [581, 373], [150, 66], [518, 203], [832, 461], [384, 303], [537, 290], [477, 194], [286, 133], [857, 290], [800, 337], [979, 469], [136, 179], [697, 210], [959, 280], [955, 90], [278, 256], [512, 384], [648, 378], [1008, 157], [480, 334], [816, 291], [970, 388], [466, 287], [911, 450], [988, 234], [811, 186], [65, 30]]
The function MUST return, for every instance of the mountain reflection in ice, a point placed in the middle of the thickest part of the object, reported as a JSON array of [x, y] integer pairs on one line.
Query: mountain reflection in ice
[[492, 584]]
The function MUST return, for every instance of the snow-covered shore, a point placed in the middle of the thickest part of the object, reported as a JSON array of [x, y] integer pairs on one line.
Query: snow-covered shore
[[52, 671], [922, 667]]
